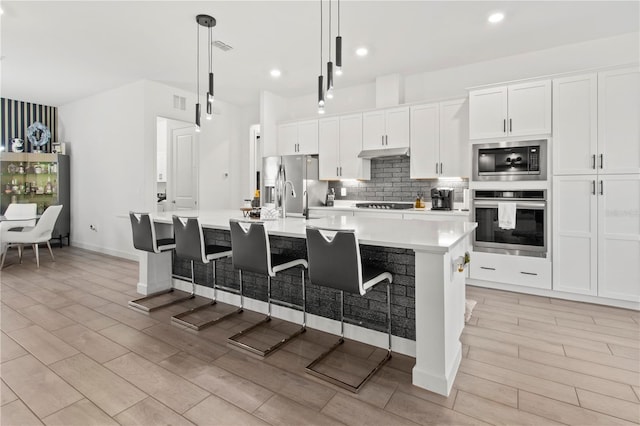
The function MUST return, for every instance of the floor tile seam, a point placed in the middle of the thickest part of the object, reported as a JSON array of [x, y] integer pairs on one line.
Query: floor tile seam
[[517, 387], [603, 335], [28, 408], [53, 329], [554, 380], [159, 366], [14, 340], [453, 408], [569, 358], [602, 412], [142, 400], [83, 397], [542, 339]]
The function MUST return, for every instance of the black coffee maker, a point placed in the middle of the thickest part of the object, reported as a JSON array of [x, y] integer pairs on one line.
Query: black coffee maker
[[441, 198]]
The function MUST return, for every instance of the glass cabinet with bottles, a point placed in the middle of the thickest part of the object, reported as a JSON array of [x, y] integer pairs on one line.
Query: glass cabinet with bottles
[[42, 179]]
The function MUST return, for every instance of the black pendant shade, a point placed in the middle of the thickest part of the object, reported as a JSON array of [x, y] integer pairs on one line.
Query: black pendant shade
[[198, 116], [329, 75], [320, 91], [339, 51]]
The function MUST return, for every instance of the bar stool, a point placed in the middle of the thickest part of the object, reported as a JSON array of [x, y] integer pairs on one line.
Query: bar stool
[[252, 252], [145, 239], [334, 261], [191, 245]]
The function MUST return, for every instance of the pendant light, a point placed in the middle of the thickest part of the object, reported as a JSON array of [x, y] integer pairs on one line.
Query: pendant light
[[320, 77], [339, 46], [330, 64], [209, 22], [210, 92]]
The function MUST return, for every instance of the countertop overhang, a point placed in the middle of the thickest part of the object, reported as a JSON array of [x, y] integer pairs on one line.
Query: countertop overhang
[[430, 236]]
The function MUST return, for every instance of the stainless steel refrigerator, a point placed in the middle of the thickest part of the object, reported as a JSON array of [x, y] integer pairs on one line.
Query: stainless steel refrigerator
[[302, 172]]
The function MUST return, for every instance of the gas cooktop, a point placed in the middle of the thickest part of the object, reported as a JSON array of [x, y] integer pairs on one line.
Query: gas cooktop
[[385, 205]]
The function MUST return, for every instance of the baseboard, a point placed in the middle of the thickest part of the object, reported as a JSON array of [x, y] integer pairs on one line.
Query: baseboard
[[110, 252], [371, 337], [625, 304]]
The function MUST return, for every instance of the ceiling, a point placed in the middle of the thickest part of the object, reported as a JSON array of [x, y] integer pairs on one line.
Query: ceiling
[[54, 52]]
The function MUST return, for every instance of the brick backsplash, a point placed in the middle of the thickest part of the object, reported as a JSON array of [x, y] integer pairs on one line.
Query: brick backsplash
[[390, 182]]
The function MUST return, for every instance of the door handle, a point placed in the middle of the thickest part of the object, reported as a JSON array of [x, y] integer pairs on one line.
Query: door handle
[[173, 201], [337, 171], [593, 159], [593, 187], [382, 139], [510, 125], [340, 170], [602, 161], [440, 168], [436, 168], [601, 187], [504, 126], [528, 273], [386, 140], [488, 269]]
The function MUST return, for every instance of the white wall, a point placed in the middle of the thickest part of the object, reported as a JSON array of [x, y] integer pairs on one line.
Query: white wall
[[454, 82], [112, 141]]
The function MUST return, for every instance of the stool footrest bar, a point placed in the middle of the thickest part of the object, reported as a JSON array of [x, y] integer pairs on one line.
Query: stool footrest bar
[[234, 340], [138, 304], [182, 318]]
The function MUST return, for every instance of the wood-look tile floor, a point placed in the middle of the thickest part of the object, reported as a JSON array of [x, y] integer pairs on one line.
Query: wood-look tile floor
[[73, 353]]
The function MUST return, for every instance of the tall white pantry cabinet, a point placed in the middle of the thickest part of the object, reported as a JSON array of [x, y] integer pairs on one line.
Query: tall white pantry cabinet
[[596, 184]]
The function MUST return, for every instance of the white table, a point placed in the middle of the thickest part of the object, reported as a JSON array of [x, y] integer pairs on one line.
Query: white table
[[439, 287]]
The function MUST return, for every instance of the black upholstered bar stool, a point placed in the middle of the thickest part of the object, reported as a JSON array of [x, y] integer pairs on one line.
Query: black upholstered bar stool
[[191, 245], [145, 239], [252, 253], [334, 261]]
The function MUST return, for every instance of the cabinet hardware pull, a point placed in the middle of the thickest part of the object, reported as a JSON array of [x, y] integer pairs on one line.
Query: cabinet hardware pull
[[504, 126], [440, 168], [436, 168], [593, 187], [510, 125], [601, 187], [340, 170], [528, 273], [337, 171], [382, 139], [593, 158], [602, 161], [488, 269]]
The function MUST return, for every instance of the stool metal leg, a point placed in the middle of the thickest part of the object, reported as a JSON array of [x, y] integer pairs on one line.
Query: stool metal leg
[[182, 318], [138, 304], [336, 381], [234, 340]]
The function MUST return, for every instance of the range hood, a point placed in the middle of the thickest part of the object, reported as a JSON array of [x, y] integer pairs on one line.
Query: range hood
[[384, 152]]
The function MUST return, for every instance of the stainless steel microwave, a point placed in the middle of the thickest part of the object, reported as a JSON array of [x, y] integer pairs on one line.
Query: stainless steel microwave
[[505, 161]]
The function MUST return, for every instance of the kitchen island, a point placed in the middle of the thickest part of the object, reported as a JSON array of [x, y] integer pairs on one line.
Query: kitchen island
[[426, 256]]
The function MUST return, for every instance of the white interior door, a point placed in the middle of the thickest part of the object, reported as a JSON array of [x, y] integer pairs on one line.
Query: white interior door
[[182, 190]]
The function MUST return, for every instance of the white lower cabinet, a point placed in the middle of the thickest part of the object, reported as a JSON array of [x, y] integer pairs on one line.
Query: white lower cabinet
[[596, 228], [508, 269]]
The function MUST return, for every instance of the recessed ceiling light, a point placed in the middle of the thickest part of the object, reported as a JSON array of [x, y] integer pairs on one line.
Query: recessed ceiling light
[[494, 18], [275, 73], [362, 51]]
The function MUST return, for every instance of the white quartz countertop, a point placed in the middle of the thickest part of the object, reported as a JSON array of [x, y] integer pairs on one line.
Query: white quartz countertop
[[432, 236], [408, 211]]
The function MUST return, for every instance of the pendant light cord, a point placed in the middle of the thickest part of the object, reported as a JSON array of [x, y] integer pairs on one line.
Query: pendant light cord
[[198, 61], [338, 18], [330, 30], [209, 50], [321, 37]]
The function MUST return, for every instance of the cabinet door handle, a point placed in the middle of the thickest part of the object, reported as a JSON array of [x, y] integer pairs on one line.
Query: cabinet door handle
[[510, 125], [382, 139], [528, 273], [602, 161], [386, 140], [593, 161], [488, 269], [340, 170], [436, 168], [504, 126], [593, 187], [601, 187], [440, 168]]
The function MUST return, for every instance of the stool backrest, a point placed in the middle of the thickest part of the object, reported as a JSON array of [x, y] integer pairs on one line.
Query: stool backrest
[[250, 247], [189, 236], [334, 259], [144, 233]]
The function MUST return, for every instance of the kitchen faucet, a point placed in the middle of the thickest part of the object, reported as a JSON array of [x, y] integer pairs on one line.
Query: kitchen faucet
[[284, 197]]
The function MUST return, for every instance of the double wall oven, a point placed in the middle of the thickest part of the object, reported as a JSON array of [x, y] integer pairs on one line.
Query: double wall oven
[[499, 166]]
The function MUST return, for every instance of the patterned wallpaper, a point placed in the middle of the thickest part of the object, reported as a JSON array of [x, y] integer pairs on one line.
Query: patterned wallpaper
[[16, 116]]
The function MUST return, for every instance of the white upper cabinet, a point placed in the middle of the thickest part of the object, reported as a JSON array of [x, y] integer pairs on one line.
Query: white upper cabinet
[[575, 125], [387, 128], [340, 142], [298, 138], [488, 113], [514, 110], [618, 121], [329, 148], [439, 144]]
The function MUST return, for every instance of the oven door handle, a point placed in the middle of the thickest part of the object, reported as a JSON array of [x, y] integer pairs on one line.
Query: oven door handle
[[519, 205]]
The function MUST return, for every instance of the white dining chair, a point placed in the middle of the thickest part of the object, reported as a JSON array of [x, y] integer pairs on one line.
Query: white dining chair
[[34, 235], [17, 211]]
